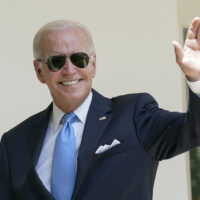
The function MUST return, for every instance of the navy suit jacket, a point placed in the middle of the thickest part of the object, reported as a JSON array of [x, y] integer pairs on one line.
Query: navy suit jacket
[[127, 171]]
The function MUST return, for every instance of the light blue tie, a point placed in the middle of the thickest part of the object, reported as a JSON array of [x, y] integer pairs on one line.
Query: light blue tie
[[64, 161]]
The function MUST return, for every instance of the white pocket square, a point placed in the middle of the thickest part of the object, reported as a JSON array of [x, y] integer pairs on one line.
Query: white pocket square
[[106, 147]]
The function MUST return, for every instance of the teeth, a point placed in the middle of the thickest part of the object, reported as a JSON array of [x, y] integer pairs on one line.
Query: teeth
[[70, 82]]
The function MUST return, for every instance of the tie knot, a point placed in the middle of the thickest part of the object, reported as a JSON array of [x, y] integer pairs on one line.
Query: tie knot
[[69, 118]]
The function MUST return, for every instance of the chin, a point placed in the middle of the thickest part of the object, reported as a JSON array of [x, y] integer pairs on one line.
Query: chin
[[73, 98]]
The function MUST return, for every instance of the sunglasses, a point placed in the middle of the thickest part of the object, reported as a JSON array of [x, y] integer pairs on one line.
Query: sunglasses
[[55, 63]]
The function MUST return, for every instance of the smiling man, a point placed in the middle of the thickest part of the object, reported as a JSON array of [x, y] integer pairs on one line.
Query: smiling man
[[70, 86], [84, 146]]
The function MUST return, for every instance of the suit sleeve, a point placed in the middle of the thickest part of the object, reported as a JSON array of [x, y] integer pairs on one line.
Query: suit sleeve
[[165, 134], [5, 185]]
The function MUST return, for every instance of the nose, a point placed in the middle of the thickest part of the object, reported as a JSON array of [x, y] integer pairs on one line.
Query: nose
[[68, 68]]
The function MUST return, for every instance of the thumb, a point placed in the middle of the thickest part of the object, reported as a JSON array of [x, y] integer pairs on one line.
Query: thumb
[[178, 52]]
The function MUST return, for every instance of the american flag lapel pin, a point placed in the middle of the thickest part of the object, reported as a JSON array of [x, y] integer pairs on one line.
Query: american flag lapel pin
[[102, 118]]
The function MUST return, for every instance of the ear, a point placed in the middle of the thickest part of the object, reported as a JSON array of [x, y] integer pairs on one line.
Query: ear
[[93, 62], [38, 71]]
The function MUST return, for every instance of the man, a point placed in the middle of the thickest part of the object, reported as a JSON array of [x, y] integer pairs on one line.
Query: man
[[118, 141]]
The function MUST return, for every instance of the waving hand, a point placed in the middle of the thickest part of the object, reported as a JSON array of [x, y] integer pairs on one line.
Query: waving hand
[[188, 57]]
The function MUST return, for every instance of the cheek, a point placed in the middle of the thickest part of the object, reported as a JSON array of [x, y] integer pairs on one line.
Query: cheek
[[50, 78], [91, 73]]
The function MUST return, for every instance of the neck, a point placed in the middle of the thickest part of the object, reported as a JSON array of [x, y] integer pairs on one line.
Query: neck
[[69, 106]]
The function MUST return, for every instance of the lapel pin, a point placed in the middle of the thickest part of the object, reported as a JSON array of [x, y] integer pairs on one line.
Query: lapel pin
[[102, 118]]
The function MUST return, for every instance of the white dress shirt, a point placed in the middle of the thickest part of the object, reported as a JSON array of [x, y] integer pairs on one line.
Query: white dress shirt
[[195, 87], [44, 164]]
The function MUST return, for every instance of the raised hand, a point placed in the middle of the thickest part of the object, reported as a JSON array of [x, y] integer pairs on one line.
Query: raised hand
[[188, 57]]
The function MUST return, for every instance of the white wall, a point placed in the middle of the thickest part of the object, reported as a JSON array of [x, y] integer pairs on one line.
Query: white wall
[[134, 54]]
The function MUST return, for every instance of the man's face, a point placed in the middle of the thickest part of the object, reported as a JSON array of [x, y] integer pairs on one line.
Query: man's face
[[70, 85]]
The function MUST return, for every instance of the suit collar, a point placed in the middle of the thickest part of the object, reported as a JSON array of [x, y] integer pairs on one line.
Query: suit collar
[[100, 103], [93, 131], [41, 120], [35, 140], [94, 128], [81, 113], [36, 137]]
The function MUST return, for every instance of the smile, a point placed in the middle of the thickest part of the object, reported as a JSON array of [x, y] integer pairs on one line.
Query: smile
[[67, 83]]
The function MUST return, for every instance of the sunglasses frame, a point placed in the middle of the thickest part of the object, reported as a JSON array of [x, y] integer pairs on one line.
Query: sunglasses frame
[[51, 68]]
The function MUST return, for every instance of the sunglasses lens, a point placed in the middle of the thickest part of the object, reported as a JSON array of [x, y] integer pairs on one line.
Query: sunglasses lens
[[80, 60], [55, 63]]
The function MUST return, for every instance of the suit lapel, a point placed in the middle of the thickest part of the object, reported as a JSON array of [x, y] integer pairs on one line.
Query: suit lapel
[[39, 128], [98, 119], [35, 141]]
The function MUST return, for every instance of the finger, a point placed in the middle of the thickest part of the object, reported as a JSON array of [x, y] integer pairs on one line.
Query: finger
[[198, 33], [193, 29], [178, 52]]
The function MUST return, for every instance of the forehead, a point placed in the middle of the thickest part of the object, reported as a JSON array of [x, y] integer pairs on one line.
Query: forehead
[[64, 41]]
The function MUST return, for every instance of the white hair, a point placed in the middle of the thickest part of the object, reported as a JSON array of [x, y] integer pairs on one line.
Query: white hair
[[59, 25]]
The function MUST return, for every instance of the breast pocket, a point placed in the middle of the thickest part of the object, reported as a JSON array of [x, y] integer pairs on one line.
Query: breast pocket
[[119, 148]]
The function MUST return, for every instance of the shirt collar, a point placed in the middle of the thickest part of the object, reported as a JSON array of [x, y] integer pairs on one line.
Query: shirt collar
[[81, 112]]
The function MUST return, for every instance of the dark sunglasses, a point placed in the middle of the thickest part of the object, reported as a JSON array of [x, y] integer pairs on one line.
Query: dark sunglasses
[[55, 63]]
